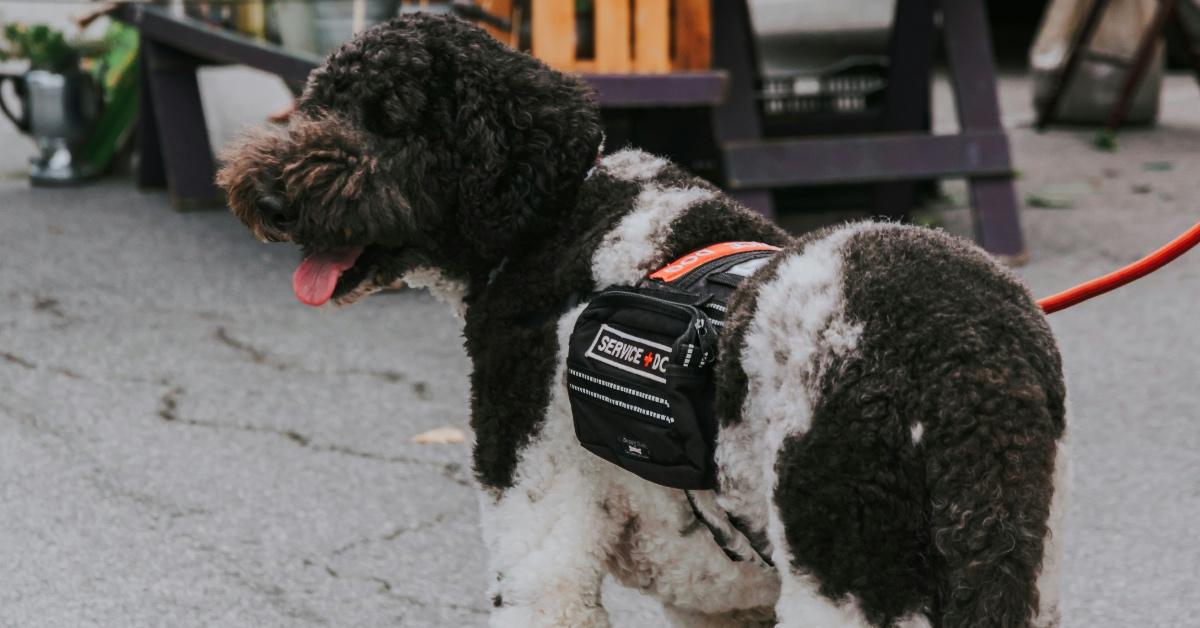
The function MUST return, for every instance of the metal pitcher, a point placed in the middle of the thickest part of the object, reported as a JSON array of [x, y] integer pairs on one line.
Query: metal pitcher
[[59, 112]]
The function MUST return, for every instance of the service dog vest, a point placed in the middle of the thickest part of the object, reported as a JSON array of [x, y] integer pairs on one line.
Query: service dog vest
[[639, 365]]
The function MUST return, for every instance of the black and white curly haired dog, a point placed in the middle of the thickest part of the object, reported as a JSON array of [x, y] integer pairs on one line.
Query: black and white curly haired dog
[[890, 400]]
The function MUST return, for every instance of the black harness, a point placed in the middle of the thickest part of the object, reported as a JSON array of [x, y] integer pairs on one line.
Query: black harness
[[639, 366], [639, 379]]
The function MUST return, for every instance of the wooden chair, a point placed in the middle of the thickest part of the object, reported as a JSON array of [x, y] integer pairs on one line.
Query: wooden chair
[[172, 136]]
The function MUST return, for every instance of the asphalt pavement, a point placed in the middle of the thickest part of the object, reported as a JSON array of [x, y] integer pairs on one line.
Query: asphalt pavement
[[183, 444]]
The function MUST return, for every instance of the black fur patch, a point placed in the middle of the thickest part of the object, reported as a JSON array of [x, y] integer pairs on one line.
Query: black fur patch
[[511, 332], [953, 525], [718, 220]]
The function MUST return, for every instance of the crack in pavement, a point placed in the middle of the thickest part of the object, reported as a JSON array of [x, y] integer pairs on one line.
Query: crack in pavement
[[385, 588], [98, 475], [168, 404], [12, 358], [451, 471], [49, 305], [168, 411], [28, 364], [107, 484], [260, 356], [390, 536], [275, 595], [31, 421]]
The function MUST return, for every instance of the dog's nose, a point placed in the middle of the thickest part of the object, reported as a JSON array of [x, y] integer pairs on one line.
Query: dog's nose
[[275, 214]]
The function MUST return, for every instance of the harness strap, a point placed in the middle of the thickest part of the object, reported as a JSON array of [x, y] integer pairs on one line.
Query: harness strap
[[732, 540]]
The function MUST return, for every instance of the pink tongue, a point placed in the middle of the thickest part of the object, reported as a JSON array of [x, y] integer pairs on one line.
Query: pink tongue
[[317, 276]]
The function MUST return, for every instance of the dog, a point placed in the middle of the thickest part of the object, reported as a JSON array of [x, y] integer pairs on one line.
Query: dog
[[890, 399]]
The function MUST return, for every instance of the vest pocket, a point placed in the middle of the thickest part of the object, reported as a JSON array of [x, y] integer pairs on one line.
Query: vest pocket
[[639, 384]]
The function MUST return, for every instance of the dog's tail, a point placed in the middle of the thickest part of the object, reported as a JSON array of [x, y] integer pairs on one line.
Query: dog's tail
[[990, 468]]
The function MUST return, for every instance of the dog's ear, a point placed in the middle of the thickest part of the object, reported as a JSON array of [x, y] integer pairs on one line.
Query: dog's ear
[[380, 78], [526, 136]]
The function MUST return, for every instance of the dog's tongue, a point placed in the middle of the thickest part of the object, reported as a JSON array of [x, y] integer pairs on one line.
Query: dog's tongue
[[317, 276]]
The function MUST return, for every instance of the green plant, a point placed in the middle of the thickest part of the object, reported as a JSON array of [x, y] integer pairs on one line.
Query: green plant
[[1106, 141], [47, 48]]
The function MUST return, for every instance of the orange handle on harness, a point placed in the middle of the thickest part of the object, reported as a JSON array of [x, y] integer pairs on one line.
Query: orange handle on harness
[[1118, 278]]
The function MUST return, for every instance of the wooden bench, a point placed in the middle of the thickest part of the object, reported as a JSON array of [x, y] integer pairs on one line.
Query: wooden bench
[[172, 133], [640, 36]]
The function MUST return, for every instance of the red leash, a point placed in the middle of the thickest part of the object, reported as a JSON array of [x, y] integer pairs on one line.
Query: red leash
[[1118, 278]]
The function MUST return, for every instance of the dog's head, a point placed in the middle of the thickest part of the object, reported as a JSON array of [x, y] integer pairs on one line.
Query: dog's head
[[421, 143]]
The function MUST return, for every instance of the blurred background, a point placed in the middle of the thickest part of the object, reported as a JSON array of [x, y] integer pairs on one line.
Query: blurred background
[[183, 444]]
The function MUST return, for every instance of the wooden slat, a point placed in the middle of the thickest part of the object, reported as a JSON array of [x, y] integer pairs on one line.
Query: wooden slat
[[866, 158], [693, 35], [652, 25], [251, 18], [514, 37], [553, 26], [612, 36], [673, 89], [502, 8]]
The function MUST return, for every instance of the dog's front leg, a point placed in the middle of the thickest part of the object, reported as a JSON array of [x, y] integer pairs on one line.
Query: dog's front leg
[[549, 539]]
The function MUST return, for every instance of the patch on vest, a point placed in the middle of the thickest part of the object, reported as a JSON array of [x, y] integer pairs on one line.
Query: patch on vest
[[693, 260], [630, 353]]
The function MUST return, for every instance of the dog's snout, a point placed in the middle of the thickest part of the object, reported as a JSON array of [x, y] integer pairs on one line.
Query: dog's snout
[[275, 214]]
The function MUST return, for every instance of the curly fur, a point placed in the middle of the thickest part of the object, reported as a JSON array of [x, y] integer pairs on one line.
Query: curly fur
[[890, 400], [492, 147]]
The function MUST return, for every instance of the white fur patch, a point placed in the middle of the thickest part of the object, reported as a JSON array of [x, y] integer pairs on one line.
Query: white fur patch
[[801, 605], [632, 165], [365, 288], [633, 248], [1049, 580], [447, 290], [798, 327], [918, 430], [914, 621]]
